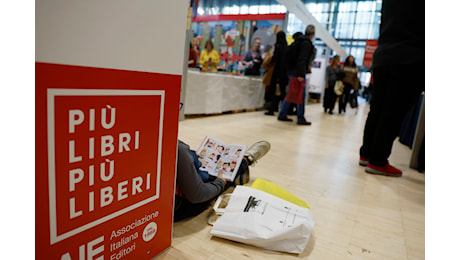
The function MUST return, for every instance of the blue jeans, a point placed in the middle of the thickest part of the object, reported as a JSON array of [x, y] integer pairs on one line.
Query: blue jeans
[[203, 174], [300, 107]]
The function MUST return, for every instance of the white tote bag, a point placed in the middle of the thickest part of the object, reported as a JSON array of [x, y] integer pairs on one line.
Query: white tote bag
[[260, 219]]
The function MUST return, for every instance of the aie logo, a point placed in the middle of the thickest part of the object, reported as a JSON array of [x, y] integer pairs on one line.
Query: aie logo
[[149, 231], [93, 142]]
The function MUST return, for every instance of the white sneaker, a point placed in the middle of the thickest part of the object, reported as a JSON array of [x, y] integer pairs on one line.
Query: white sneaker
[[257, 151]]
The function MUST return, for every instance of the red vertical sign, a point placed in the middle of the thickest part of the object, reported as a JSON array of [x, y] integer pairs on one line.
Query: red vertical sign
[[105, 162], [371, 45]]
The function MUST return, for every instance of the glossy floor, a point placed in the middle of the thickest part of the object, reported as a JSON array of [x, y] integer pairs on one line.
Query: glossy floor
[[358, 215]]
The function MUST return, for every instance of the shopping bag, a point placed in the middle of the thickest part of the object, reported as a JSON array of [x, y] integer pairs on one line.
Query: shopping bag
[[338, 87], [273, 189], [260, 219], [295, 92]]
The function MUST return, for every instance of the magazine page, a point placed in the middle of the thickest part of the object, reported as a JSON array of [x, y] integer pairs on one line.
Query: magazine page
[[216, 156]]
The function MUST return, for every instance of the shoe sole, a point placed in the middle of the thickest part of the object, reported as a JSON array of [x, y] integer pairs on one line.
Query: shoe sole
[[363, 163], [372, 171]]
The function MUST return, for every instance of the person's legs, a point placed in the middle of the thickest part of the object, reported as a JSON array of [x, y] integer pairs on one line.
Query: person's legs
[[284, 110], [271, 99], [282, 115], [374, 114], [341, 103], [346, 96], [326, 100], [242, 175], [301, 107], [251, 156], [255, 152], [395, 91], [276, 103], [188, 209], [332, 100]]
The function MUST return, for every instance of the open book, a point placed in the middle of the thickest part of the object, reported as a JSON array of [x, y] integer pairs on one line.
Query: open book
[[217, 156]]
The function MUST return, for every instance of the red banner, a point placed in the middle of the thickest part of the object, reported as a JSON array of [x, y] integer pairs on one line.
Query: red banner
[[371, 45], [105, 162]]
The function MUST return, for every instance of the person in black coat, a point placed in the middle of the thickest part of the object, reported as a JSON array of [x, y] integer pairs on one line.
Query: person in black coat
[[279, 76], [399, 80], [298, 59]]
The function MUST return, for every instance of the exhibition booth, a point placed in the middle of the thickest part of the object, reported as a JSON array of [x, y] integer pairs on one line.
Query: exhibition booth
[[218, 92]]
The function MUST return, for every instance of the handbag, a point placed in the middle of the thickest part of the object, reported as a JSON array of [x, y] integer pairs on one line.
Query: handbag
[[295, 92], [260, 219], [338, 87]]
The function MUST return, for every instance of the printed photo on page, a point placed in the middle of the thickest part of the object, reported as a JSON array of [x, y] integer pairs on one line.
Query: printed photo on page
[[216, 156]]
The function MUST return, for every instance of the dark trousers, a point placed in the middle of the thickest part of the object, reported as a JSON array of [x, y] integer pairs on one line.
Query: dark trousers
[[345, 97], [188, 209], [275, 100], [329, 98], [396, 90]]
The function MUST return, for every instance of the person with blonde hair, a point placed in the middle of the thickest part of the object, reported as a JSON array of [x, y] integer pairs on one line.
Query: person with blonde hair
[[330, 97], [209, 58]]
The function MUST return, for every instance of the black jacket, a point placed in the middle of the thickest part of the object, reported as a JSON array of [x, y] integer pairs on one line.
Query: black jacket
[[299, 55], [279, 72], [402, 34]]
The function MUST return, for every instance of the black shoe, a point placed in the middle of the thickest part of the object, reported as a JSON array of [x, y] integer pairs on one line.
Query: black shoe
[[330, 112], [304, 123], [269, 113], [285, 119]]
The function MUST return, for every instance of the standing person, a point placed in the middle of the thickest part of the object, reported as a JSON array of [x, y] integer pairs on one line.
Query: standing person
[[399, 79], [193, 195], [268, 65], [279, 78], [298, 58], [350, 81], [292, 107], [331, 77], [209, 58], [192, 57], [253, 59]]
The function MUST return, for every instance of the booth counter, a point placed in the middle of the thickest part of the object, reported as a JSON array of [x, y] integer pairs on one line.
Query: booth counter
[[217, 92]]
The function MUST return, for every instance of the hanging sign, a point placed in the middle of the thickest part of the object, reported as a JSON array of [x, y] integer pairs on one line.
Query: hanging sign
[[371, 45]]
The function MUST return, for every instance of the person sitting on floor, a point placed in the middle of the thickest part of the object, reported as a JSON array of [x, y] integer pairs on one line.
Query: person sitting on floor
[[193, 195]]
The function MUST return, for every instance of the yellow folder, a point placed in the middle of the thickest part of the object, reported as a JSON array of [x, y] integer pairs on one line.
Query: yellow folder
[[275, 190]]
